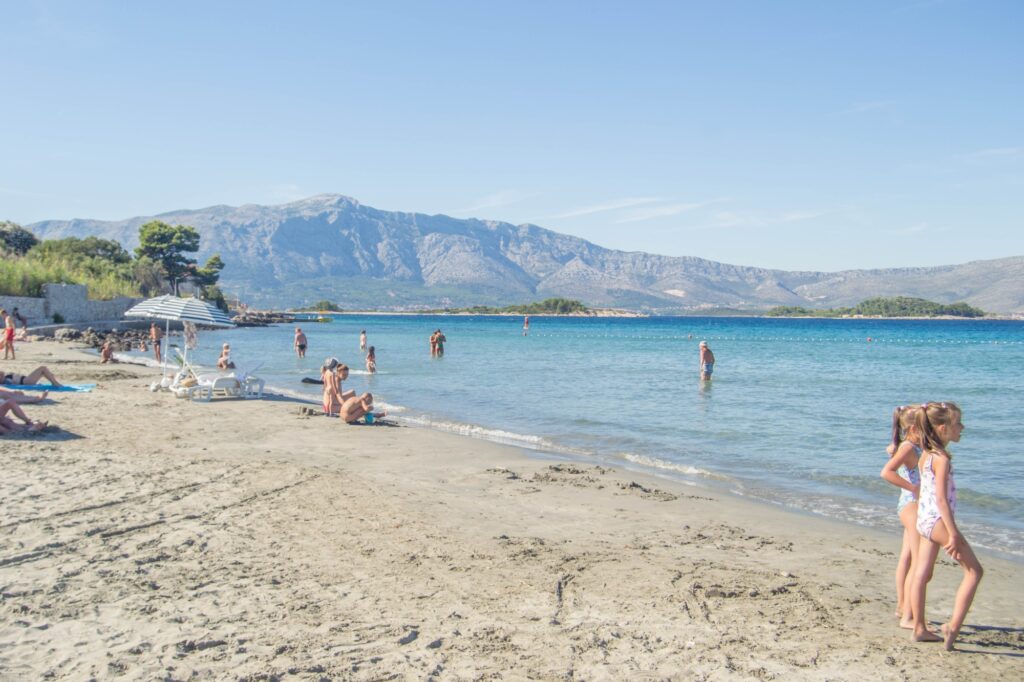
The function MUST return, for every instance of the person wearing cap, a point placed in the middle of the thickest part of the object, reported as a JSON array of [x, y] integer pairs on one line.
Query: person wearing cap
[[707, 361]]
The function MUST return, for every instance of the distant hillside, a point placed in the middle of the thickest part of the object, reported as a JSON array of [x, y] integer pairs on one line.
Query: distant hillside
[[333, 247]]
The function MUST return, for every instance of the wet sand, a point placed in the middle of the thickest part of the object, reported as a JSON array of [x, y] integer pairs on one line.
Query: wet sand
[[152, 538]]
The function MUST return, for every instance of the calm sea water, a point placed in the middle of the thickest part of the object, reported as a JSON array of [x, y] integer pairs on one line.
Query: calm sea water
[[798, 413]]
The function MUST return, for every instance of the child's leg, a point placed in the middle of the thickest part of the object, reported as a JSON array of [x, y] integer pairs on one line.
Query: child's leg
[[926, 555], [968, 586], [909, 518], [903, 564], [12, 406]]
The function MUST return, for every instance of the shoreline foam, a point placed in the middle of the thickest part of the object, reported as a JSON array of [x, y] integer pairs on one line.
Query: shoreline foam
[[153, 537]]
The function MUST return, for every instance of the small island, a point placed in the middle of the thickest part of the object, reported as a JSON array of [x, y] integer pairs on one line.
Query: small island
[[898, 306]]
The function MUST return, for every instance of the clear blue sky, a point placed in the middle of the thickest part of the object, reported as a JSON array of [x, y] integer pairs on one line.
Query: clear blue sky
[[797, 135]]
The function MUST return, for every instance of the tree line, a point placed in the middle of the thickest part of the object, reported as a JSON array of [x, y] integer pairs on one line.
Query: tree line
[[160, 264], [897, 306]]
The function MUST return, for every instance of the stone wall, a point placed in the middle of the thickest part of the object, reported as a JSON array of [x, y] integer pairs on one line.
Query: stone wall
[[71, 302], [33, 309]]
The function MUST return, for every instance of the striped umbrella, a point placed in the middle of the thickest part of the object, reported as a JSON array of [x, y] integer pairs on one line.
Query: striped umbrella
[[173, 309]]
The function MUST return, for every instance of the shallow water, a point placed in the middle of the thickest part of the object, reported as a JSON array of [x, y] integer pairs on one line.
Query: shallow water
[[798, 412]]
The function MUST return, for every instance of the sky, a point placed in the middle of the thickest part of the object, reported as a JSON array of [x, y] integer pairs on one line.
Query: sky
[[793, 135]]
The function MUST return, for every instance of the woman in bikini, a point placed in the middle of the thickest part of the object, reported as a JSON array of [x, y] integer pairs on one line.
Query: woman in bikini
[[29, 379]]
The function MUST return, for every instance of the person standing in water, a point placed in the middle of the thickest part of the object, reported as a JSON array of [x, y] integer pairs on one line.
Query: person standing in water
[[707, 361], [362, 341], [526, 325], [439, 341], [300, 343]]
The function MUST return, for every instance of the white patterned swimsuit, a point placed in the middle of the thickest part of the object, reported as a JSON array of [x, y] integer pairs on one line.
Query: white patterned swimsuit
[[913, 478], [927, 505]]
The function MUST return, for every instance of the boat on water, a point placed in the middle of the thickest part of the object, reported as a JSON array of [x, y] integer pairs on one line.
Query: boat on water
[[313, 317]]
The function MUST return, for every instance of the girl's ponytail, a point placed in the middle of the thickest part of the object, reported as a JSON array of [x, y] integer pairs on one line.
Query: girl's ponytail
[[897, 427]]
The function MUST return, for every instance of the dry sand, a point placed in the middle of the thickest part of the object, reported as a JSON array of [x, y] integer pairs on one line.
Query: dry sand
[[153, 538]]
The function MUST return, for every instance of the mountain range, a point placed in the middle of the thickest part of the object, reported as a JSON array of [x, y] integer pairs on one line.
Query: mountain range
[[333, 247]]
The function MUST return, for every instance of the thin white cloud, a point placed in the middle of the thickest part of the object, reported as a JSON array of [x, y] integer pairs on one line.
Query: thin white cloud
[[288, 192], [606, 206], [503, 197], [663, 211], [916, 228], [741, 219], [993, 153]]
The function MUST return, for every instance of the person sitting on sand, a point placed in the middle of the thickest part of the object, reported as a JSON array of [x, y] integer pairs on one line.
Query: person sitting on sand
[[21, 397], [354, 409], [224, 361], [30, 379], [8, 425], [107, 352]]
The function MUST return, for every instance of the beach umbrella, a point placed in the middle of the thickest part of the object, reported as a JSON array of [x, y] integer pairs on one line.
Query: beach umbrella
[[174, 309]]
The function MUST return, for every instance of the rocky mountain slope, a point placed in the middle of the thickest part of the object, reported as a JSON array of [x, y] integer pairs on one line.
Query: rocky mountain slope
[[333, 247]]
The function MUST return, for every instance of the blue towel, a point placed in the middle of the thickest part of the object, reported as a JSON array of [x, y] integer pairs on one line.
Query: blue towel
[[69, 388]]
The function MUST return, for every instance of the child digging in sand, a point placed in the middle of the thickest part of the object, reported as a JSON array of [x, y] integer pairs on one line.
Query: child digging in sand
[[901, 471], [939, 424]]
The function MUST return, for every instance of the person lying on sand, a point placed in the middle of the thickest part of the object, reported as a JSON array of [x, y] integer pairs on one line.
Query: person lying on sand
[[354, 409], [8, 425], [30, 379], [21, 397]]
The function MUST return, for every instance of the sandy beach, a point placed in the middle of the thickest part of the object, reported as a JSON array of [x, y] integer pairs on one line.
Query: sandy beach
[[147, 537]]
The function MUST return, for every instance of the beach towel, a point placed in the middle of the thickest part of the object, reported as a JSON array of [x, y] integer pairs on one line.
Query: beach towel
[[68, 388]]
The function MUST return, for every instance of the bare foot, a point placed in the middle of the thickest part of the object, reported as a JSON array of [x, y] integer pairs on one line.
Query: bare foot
[[949, 636], [42, 397], [36, 427], [926, 636], [907, 623]]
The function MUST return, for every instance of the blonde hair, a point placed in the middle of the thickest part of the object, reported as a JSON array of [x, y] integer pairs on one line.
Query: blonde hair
[[903, 420], [930, 416]]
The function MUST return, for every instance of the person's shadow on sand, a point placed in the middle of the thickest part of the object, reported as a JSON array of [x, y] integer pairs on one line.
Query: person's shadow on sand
[[993, 640], [50, 433]]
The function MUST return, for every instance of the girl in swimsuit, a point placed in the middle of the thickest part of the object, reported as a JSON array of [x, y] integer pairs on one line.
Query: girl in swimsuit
[[901, 471], [371, 361], [939, 424]]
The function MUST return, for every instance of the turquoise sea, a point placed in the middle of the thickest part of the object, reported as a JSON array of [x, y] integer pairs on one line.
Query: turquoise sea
[[798, 413]]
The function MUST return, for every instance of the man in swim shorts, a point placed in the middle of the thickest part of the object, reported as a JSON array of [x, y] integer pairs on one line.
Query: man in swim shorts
[[300, 343], [707, 361], [155, 334]]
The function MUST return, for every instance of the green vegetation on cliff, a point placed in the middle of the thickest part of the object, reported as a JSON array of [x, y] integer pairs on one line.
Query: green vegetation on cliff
[[549, 306], [103, 265], [898, 306]]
